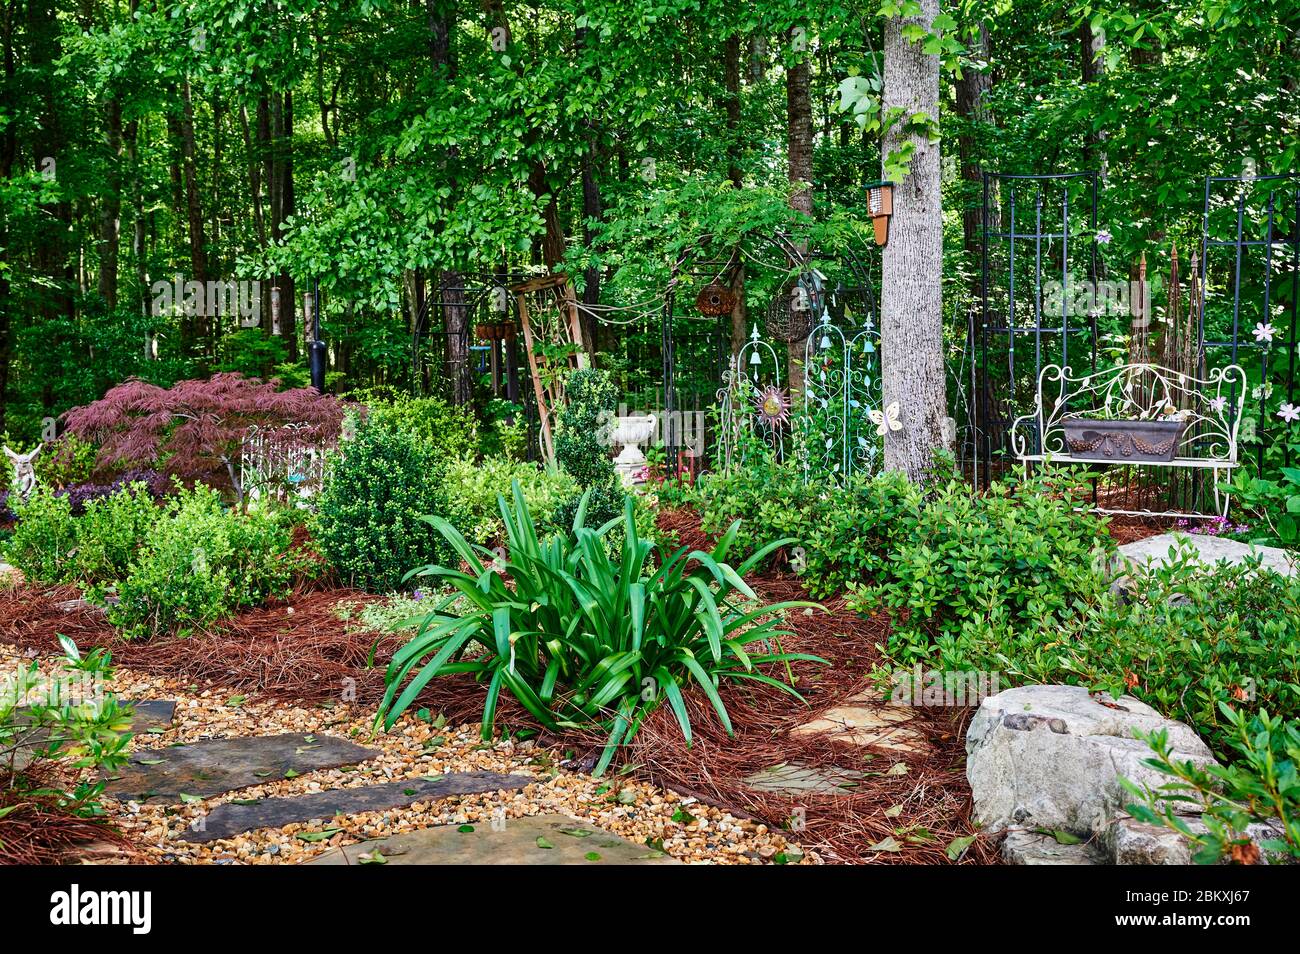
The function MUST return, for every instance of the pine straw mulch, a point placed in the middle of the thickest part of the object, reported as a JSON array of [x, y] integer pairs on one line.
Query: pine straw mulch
[[305, 651], [37, 828], [929, 804]]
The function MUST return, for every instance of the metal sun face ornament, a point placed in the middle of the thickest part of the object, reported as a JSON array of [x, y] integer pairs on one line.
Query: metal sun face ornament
[[773, 406]]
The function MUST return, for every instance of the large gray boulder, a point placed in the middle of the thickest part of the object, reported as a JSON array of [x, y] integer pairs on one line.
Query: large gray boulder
[[1050, 757]]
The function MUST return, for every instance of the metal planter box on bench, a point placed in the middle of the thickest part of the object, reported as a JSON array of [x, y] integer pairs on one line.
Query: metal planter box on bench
[[1126, 441]]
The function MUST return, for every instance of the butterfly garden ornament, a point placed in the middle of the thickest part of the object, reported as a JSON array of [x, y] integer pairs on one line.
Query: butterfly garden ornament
[[887, 420]]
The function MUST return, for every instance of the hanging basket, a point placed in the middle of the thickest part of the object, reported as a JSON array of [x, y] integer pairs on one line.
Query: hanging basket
[[789, 316], [715, 300]]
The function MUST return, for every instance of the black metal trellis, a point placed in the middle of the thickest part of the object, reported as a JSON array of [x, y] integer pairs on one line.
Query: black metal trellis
[[1052, 234], [1251, 234], [1245, 310]]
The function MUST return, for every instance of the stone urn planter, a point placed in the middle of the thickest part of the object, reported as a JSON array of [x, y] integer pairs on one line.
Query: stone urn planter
[[631, 432], [1123, 441]]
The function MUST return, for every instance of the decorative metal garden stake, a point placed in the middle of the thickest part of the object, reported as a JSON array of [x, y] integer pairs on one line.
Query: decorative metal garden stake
[[880, 205], [316, 350]]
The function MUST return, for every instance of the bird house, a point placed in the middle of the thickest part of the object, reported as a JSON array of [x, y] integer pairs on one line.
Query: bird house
[[880, 206]]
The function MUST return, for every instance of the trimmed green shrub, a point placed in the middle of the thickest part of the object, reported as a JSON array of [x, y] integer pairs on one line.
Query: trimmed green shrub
[[583, 426], [200, 563], [44, 540], [583, 639], [473, 490], [377, 487], [451, 432], [111, 531]]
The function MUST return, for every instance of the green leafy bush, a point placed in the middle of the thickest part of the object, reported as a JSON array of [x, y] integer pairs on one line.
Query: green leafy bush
[[1182, 639], [66, 461], [111, 531], [1019, 555], [200, 563], [473, 490], [376, 489], [66, 719], [44, 540], [582, 639], [583, 426], [1260, 784], [451, 432], [842, 534], [771, 501]]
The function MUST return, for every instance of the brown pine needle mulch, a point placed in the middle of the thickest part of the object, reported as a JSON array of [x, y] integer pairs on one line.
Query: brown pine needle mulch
[[38, 828]]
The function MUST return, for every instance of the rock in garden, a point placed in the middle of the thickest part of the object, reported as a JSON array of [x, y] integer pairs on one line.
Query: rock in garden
[[213, 766], [1050, 757]]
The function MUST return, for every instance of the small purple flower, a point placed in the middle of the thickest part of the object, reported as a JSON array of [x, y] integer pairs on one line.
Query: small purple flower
[[1104, 236], [419, 594]]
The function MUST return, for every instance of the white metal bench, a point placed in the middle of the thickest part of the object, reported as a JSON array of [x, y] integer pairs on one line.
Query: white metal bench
[[1211, 406]]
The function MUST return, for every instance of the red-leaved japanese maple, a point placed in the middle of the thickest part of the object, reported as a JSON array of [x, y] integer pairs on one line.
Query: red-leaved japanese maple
[[195, 429]]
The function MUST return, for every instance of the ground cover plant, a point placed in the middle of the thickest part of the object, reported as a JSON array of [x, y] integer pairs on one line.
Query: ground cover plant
[[1260, 783], [580, 638], [52, 726]]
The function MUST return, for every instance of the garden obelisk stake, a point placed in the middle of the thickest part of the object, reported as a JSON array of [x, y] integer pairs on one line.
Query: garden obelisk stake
[[911, 327]]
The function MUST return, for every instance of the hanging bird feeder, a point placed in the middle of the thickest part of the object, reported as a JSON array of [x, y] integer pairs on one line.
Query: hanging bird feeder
[[880, 206]]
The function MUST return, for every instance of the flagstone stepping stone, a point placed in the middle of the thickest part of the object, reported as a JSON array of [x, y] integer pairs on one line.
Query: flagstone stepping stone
[[151, 714], [233, 818], [868, 723], [213, 766], [539, 840], [796, 778], [1037, 848], [1208, 550]]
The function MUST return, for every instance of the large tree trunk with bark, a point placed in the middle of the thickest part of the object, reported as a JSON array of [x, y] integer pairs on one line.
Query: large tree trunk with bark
[[799, 148], [911, 312], [972, 89]]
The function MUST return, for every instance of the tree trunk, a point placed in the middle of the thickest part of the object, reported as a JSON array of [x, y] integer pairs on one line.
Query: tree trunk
[[799, 147], [110, 213], [192, 328], [911, 313], [972, 89], [731, 81], [1093, 67]]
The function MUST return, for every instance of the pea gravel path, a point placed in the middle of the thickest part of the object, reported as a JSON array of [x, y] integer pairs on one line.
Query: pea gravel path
[[682, 827]]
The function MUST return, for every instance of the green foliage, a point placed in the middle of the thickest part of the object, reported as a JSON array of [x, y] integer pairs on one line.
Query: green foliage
[[1182, 639], [473, 490], [1260, 784], [111, 531], [1019, 555], [44, 540], [65, 719], [771, 501], [199, 563], [583, 427], [450, 432], [66, 461], [377, 487], [580, 639], [1272, 505]]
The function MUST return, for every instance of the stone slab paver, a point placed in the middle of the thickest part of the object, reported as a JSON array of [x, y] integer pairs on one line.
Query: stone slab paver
[[539, 840], [147, 714], [867, 722], [214, 766], [1209, 550], [232, 819], [796, 778]]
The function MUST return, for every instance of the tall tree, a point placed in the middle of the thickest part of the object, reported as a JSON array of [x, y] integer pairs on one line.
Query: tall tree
[[911, 298]]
